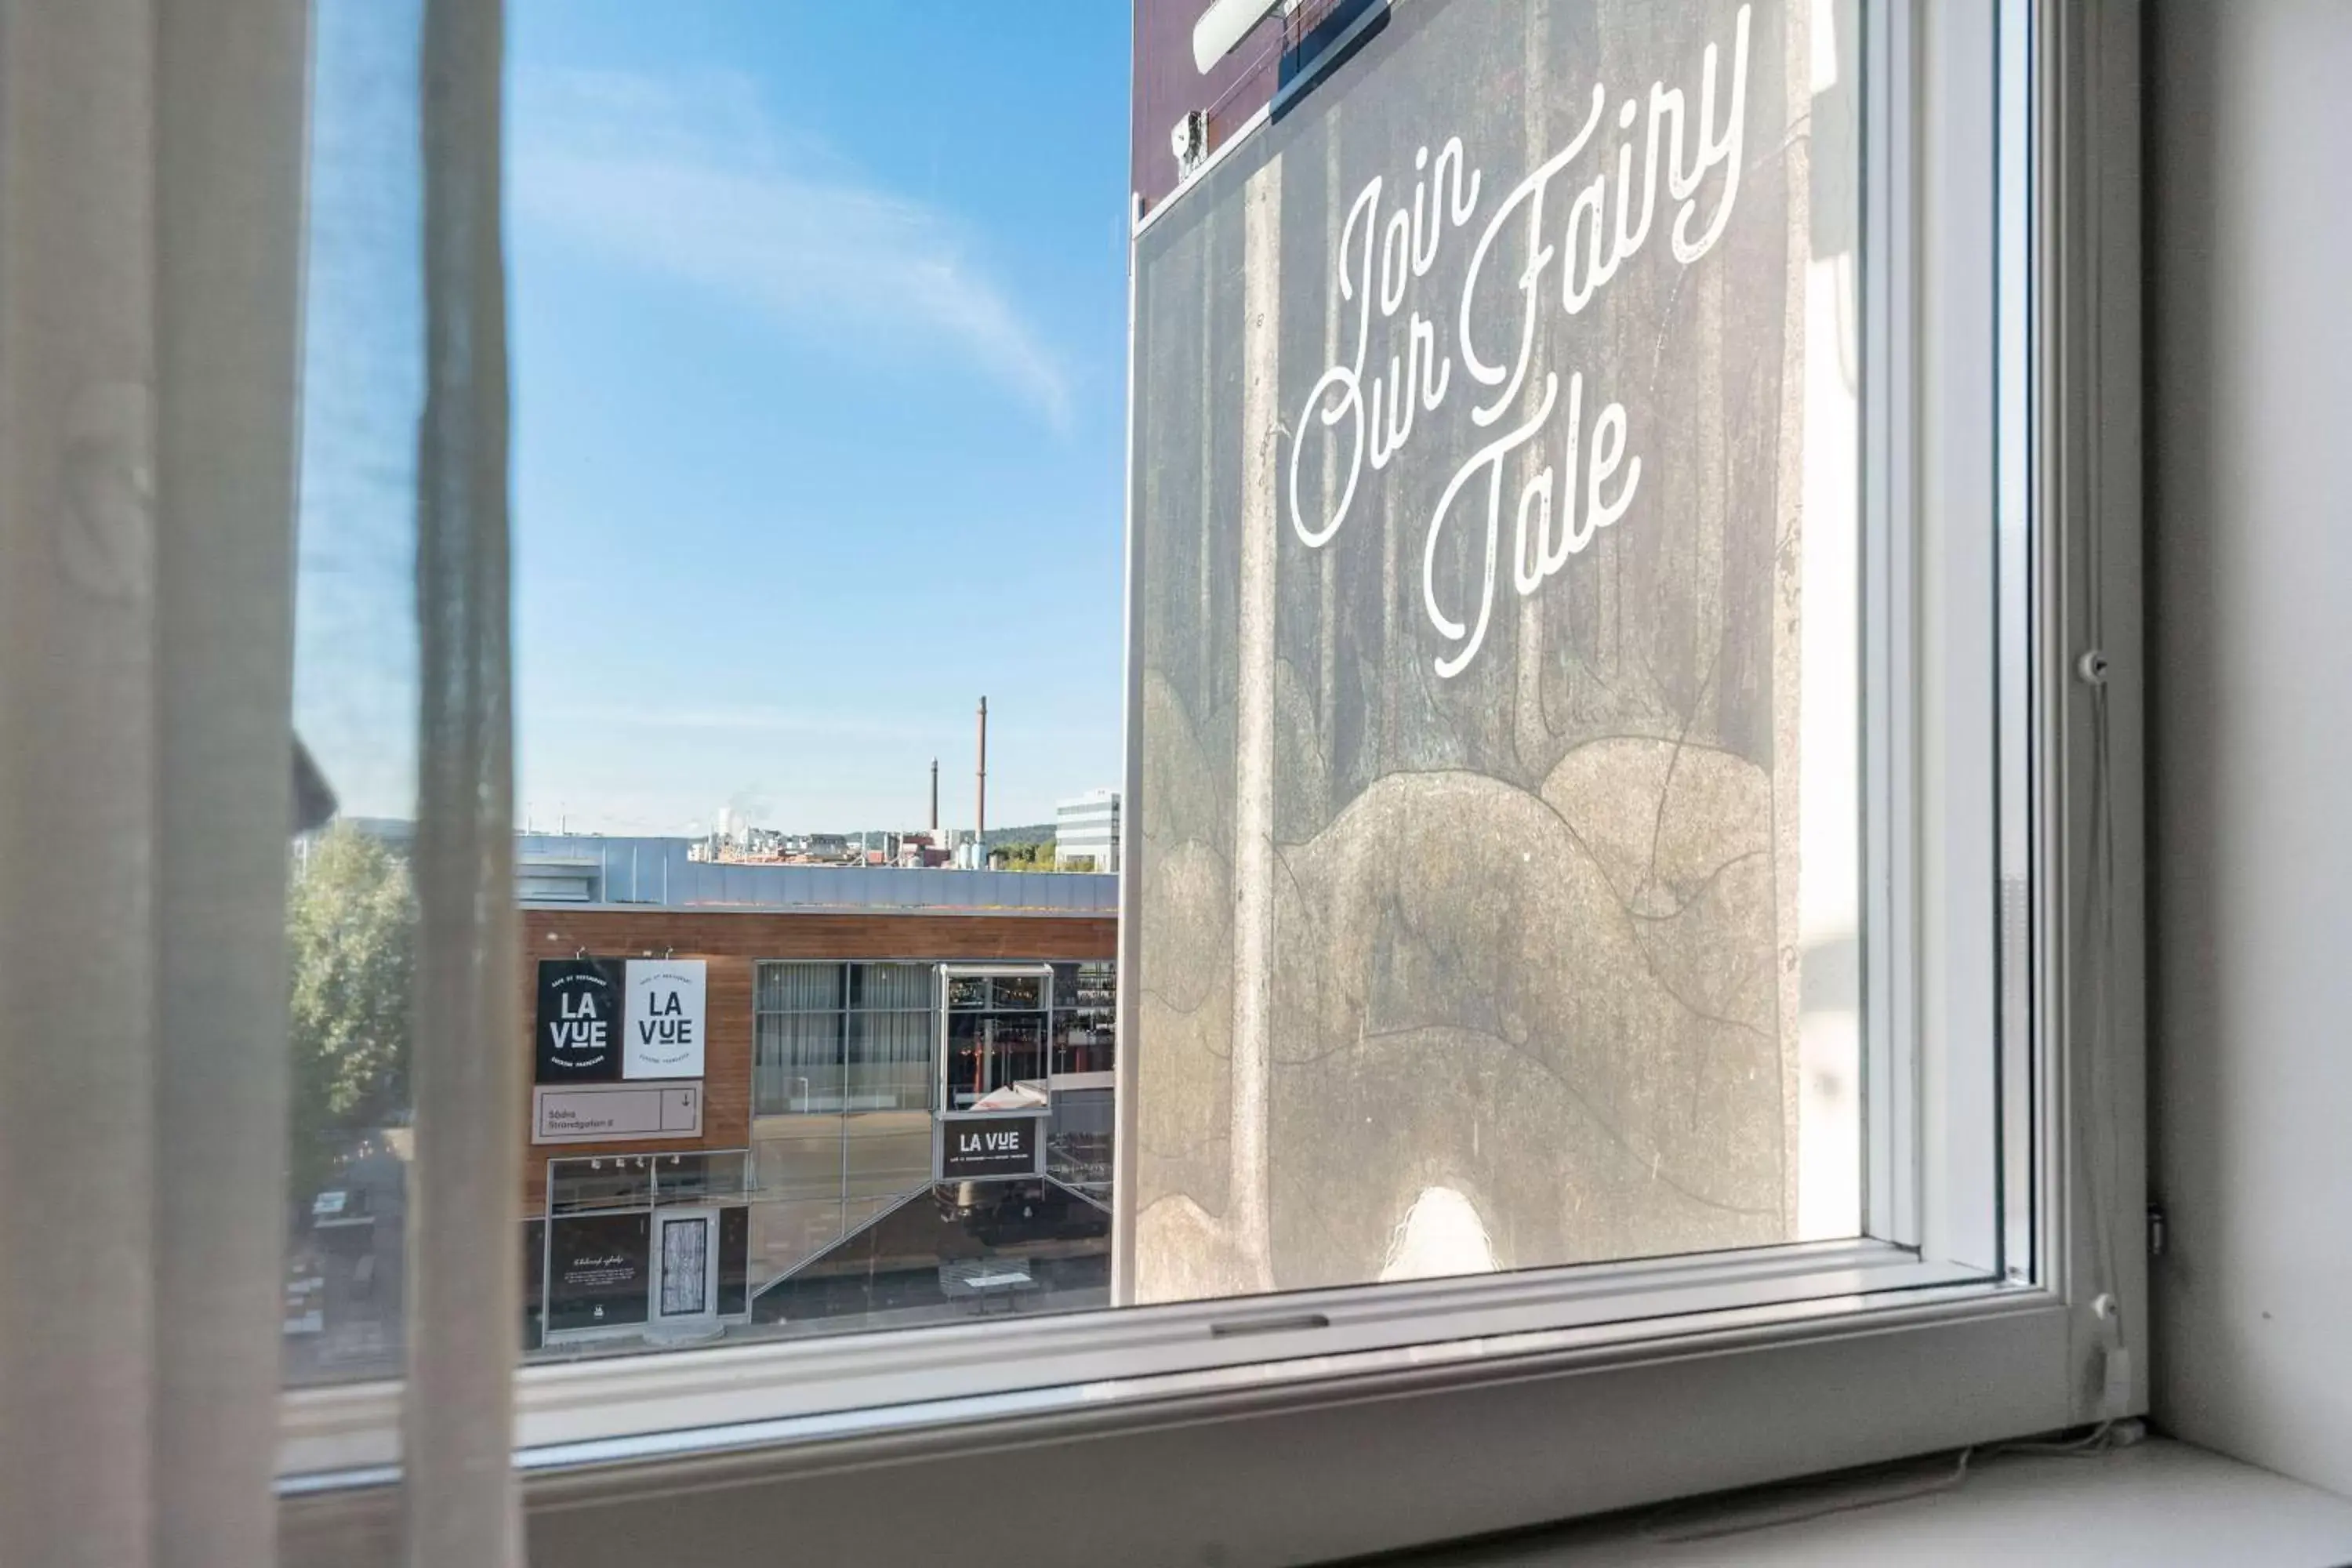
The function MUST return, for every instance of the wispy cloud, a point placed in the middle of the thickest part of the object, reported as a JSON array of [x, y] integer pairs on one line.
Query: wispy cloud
[[737, 721], [704, 186], [779, 722]]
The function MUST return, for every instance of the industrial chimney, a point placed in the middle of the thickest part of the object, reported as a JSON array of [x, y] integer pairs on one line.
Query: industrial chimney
[[980, 832], [935, 800]]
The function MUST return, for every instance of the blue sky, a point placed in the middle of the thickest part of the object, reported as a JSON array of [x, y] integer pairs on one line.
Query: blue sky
[[818, 321]]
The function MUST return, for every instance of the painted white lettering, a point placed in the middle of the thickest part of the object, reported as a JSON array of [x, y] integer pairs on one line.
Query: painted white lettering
[[1489, 461], [1527, 195], [1396, 262], [1347, 424], [1463, 203], [1714, 148], [1424, 233], [1584, 214], [1608, 448]]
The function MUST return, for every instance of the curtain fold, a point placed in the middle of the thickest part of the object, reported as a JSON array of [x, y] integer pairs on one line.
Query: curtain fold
[[149, 213], [153, 165], [462, 1501], [230, 109]]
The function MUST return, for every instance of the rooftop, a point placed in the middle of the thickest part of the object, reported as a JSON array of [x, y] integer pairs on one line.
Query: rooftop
[[584, 868]]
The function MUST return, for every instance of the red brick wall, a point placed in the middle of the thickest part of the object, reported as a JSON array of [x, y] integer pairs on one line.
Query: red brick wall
[[732, 942]]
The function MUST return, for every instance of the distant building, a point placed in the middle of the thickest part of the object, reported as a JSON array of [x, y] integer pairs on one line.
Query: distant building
[[1085, 830], [918, 850]]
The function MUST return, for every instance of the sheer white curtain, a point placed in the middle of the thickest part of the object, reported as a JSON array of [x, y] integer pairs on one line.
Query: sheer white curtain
[[150, 183], [466, 1181], [152, 168]]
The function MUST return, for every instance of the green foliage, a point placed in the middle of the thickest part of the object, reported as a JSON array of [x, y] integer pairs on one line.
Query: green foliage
[[1022, 856], [350, 929]]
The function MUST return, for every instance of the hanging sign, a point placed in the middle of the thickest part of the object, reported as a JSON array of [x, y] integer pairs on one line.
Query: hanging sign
[[988, 1146], [577, 1030], [661, 1030]]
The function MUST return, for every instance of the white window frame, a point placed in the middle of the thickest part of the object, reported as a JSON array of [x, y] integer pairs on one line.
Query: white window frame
[[1333, 1422]]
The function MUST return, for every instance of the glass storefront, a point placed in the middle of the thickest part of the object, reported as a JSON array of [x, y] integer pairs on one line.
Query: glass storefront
[[598, 1269], [838, 1208]]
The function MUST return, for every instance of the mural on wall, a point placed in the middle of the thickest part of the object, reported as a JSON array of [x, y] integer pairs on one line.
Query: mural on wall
[[1465, 501]]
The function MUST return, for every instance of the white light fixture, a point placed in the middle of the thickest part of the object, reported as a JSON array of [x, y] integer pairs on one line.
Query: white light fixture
[[1223, 25]]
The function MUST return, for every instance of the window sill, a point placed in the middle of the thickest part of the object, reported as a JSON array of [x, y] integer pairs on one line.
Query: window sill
[[668, 1405], [1265, 1462], [2156, 1504]]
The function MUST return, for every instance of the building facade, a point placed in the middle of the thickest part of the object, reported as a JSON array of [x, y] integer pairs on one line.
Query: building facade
[[1086, 831], [745, 1100]]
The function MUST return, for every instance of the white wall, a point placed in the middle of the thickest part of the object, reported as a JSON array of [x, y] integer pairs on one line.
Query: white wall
[[2251, 597]]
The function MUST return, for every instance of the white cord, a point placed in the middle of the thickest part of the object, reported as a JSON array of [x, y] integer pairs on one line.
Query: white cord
[[1764, 1517], [1713, 1523]]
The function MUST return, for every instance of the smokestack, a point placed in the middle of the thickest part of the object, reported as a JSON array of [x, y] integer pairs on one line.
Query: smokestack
[[935, 797], [980, 834]]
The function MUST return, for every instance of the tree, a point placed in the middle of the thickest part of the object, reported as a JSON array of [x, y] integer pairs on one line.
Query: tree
[[350, 928], [1032, 856]]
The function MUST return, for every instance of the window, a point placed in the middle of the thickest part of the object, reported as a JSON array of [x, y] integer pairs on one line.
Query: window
[[843, 1037], [997, 1026], [1593, 942], [1499, 892], [1086, 1005]]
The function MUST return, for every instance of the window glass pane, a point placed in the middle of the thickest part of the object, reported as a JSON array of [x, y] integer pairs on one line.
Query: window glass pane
[[1082, 1044], [734, 1261], [968, 1040], [1497, 725], [898, 986], [1080, 1138], [1023, 991], [1498, 870], [1084, 1021], [800, 1063], [699, 1178], [534, 1281], [599, 1182], [798, 1066], [890, 1060], [800, 988], [351, 914]]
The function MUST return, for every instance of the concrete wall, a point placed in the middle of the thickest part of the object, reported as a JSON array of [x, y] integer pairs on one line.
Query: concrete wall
[[1487, 936], [2250, 433]]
